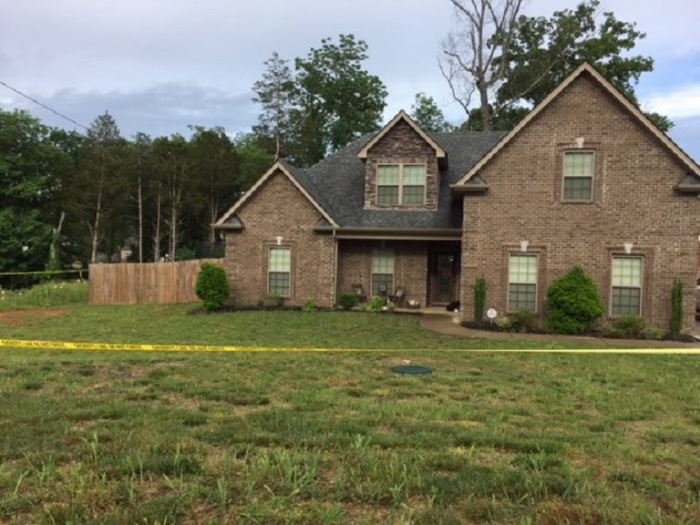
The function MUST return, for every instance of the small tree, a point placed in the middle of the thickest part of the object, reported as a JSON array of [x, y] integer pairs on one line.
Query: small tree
[[676, 324], [479, 299], [573, 303], [212, 286]]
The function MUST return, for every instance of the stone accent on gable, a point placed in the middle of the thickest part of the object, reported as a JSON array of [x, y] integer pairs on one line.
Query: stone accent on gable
[[279, 209], [634, 202], [402, 144]]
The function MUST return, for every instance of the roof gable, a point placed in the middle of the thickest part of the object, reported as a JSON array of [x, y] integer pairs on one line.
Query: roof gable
[[287, 171], [585, 68], [402, 116]]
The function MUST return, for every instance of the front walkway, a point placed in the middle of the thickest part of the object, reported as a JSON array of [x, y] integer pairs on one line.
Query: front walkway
[[441, 322]]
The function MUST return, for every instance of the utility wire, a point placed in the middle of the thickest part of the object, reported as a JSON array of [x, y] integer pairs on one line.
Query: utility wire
[[43, 105]]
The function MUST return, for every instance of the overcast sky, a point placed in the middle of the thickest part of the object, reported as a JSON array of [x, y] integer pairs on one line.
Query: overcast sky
[[159, 65]]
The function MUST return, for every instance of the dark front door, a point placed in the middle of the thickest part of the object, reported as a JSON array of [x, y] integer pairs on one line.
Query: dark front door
[[444, 277]]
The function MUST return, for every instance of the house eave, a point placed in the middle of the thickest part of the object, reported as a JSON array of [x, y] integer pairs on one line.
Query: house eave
[[427, 234], [689, 189], [461, 189]]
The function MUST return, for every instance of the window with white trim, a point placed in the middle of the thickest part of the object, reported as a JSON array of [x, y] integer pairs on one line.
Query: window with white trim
[[522, 282], [382, 272], [579, 167], [401, 184], [626, 297], [279, 271]]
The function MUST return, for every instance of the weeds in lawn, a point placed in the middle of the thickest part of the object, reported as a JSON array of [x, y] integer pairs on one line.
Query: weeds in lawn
[[109, 438], [46, 295]]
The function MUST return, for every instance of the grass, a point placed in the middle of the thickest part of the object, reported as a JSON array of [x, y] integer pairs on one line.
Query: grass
[[177, 325], [126, 438], [291, 438], [55, 293]]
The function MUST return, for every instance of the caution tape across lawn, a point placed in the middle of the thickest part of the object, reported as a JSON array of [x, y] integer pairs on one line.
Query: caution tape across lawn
[[68, 345]]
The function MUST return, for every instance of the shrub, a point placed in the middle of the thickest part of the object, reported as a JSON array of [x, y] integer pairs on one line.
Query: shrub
[[523, 321], [676, 324], [348, 300], [630, 326], [212, 286], [376, 304], [311, 305], [573, 303], [479, 299]]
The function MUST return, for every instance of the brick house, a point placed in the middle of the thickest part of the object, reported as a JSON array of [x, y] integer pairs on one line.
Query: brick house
[[585, 179]]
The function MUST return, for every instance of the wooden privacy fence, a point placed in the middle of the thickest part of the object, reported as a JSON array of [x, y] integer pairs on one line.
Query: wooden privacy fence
[[134, 283]]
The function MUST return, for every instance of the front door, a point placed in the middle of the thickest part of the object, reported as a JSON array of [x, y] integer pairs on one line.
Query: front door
[[444, 277]]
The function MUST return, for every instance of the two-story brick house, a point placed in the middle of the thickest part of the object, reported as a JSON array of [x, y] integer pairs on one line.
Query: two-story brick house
[[585, 179]]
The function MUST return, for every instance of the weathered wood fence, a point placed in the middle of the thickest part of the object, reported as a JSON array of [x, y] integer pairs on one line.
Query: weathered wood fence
[[134, 283]]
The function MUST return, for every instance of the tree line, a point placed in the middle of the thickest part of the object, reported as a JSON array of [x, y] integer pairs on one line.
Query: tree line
[[68, 197]]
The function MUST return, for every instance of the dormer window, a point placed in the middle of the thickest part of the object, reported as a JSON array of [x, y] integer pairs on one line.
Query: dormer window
[[401, 184]]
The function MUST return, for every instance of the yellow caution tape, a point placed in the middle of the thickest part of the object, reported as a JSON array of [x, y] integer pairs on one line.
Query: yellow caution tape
[[66, 345]]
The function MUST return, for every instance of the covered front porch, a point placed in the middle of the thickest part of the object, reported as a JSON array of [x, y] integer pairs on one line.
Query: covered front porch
[[416, 273]]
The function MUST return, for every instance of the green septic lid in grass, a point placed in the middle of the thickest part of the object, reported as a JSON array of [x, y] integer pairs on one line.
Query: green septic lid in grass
[[412, 370]]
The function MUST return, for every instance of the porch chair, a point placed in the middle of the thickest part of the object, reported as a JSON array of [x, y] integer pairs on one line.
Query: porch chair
[[399, 296]]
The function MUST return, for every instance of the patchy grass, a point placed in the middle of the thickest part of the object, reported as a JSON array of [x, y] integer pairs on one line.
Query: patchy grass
[[122, 438], [179, 325], [45, 295]]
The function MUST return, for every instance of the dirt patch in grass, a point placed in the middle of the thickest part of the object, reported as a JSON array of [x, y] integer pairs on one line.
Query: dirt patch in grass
[[20, 317]]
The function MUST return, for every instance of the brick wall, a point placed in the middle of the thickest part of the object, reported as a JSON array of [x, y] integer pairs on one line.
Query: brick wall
[[402, 145], [410, 266], [634, 202], [280, 209]]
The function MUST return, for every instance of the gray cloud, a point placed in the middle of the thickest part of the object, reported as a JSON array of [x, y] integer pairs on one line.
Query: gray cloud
[[159, 65]]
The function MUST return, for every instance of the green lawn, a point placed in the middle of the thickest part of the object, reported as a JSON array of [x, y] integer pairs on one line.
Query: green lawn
[[185, 324], [292, 438]]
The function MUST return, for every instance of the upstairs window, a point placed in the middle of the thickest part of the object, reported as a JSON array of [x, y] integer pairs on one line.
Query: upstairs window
[[401, 184], [522, 282], [578, 175], [279, 271], [626, 286]]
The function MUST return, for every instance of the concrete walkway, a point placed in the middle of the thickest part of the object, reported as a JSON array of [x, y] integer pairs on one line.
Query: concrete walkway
[[442, 322]]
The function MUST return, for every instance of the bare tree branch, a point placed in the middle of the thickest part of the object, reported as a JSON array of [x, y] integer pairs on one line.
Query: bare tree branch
[[484, 34]]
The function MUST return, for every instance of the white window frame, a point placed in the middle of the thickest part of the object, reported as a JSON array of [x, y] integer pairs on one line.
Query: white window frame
[[639, 286], [270, 270], [401, 184], [511, 258], [578, 176], [375, 255]]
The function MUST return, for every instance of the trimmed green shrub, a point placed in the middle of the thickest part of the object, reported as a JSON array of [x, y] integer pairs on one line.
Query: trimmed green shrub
[[523, 321], [311, 305], [630, 326], [676, 324], [573, 303], [348, 300], [479, 299], [212, 286]]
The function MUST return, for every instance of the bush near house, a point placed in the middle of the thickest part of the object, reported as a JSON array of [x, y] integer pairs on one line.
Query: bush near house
[[212, 286], [573, 303]]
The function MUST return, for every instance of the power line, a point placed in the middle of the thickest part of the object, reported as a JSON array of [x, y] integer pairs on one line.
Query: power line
[[43, 105]]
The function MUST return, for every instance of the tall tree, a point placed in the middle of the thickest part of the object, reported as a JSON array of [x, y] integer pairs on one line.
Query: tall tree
[[428, 115], [275, 93], [337, 100], [254, 159], [100, 181], [29, 161], [545, 51], [215, 168], [174, 164], [470, 65]]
